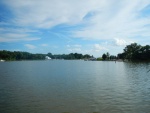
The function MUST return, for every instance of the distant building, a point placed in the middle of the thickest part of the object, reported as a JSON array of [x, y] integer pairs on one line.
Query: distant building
[[47, 58]]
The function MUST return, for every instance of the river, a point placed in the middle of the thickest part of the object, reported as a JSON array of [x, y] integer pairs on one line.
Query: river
[[74, 86]]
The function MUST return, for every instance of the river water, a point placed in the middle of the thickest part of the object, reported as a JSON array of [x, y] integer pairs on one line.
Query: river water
[[61, 86]]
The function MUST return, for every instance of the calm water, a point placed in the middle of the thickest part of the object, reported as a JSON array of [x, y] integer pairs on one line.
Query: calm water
[[74, 87]]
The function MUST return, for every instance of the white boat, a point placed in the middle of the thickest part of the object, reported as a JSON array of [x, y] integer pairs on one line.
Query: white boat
[[47, 58], [2, 60]]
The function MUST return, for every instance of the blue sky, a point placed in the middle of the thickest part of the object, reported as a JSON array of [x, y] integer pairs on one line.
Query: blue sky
[[63, 26]]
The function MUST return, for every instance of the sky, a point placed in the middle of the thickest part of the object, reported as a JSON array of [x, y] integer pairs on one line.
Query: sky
[[67, 26]]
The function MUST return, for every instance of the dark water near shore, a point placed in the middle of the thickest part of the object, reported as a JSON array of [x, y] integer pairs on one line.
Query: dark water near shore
[[74, 87]]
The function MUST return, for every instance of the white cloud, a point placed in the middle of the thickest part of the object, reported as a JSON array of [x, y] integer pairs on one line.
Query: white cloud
[[48, 13], [110, 18], [17, 30], [121, 42], [117, 19], [74, 48], [92, 49], [44, 45], [12, 37], [30, 46], [98, 48], [16, 34]]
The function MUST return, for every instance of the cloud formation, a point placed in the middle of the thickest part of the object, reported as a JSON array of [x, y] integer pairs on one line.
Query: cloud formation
[[8, 34], [104, 19], [48, 13], [121, 42], [74, 48], [30, 46], [111, 15], [98, 48], [44, 45], [116, 22], [118, 19]]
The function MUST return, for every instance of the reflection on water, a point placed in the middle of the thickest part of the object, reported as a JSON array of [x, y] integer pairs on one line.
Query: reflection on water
[[74, 87]]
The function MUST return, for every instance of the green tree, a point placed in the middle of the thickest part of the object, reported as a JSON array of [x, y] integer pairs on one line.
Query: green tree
[[107, 54], [50, 55], [135, 52], [121, 56], [144, 53], [131, 51], [104, 56]]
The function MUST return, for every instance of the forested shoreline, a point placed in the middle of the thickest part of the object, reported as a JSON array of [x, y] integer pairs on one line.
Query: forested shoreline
[[19, 55], [135, 52], [131, 52]]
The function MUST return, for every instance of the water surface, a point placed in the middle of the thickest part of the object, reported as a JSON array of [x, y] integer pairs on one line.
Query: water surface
[[60, 86]]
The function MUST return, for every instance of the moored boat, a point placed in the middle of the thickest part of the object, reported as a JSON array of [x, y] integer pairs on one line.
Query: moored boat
[[2, 60]]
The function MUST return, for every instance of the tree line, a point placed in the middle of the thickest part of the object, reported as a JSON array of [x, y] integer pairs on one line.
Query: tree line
[[71, 56], [19, 55], [132, 52], [107, 56], [135, 51]]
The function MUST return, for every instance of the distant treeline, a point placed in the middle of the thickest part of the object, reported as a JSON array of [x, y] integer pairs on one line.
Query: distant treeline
[[107, 56], [135, 51], [70, 56], [18, 55], [132, 52]]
